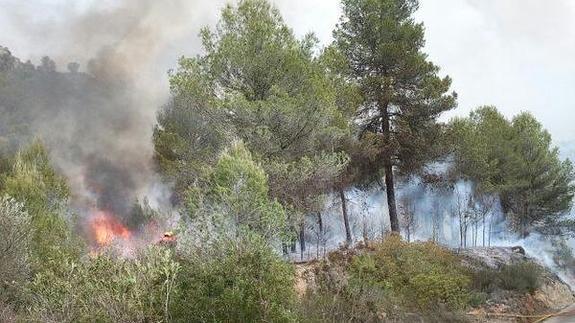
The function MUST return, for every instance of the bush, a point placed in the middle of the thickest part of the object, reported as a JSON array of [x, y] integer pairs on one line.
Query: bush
[[434, 288], [391, 281], [521, 277], [353, 304], [224, 281], [44, 194], [105, 289], [368, 304], [478, 298], [420, 274], [485, 280], [237, 280], [237, 189], [15, 236]]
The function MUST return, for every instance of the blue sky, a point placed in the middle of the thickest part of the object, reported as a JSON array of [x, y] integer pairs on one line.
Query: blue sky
[[515, 54]]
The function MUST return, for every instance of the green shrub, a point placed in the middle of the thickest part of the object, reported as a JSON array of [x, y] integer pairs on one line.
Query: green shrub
[[447, 288], [237, 190], [391, 281], [44, 195], [522, 277], [105, 289], [240, 280], [478, 298], [15, 237], [369, 304], [353, 304], [485, 280], [420, 274]]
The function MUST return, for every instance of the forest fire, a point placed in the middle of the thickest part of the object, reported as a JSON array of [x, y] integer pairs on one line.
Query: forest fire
[[105, 229]]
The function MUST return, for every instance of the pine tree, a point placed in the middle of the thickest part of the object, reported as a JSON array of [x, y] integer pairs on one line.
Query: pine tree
[[516, 161], [544, 183], [403, 95]]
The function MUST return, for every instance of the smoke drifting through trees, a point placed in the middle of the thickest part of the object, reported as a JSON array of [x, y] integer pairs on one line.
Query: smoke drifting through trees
[[99, 126], [98, 122]]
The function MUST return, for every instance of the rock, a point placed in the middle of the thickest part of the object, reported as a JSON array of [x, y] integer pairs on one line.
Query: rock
[[493, 257], [553, 293], [518, 249]]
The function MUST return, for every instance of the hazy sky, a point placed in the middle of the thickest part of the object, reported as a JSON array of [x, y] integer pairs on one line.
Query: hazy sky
[[515, 54]]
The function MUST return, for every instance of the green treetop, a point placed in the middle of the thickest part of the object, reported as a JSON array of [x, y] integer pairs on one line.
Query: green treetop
[[268, 89], [516, 160], [403, 95]]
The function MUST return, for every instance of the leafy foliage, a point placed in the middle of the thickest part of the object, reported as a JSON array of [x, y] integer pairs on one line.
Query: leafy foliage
[[44, 194], [270, 92], [515, 159], [387, 280], [15, 239], [424, 274], [240, 280], [260, 128], [402, 93], [545, 188], [106, 289], [237, 190], [523, 277], [187, 140], [350, 304]]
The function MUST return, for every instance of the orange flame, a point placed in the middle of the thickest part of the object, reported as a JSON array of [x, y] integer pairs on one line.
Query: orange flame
[[106, 228]]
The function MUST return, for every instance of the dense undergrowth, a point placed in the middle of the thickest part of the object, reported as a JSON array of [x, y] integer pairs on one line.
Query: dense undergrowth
[[246, 281], [400, 281]]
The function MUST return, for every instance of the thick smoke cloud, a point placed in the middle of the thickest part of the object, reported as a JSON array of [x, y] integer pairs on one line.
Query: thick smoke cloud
[[98, 122], [99, 130]]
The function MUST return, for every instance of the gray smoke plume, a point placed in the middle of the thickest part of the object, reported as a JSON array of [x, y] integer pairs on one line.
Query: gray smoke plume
[[97, 119]]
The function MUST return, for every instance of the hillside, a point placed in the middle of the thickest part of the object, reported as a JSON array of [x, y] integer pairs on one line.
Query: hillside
[[505, 285]]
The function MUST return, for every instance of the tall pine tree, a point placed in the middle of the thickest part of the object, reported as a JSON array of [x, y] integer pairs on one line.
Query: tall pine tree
[[403, 95]]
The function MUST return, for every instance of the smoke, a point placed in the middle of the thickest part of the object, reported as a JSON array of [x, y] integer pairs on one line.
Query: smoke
[[99, 128], [98, 122], [438, 211]]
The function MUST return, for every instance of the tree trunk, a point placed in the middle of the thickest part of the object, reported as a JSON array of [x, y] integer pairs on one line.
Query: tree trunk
[[490, 231], [345, 217], [463, 231], [483, 220], [460, 232], [390, 192], [524, 222], [320, 224], [319, 234], [302, 239], [388, 167], [476, 233]]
